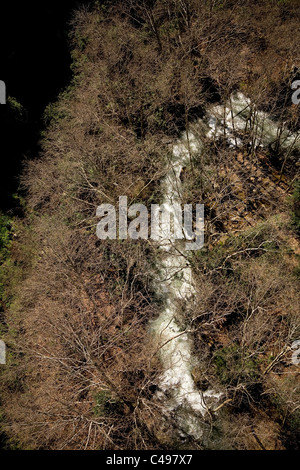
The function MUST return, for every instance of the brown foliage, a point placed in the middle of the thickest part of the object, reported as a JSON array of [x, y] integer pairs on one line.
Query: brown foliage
[[80, 374]]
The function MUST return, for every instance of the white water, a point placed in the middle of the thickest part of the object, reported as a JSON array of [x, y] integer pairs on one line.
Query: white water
[[178, 391], [239, 116]]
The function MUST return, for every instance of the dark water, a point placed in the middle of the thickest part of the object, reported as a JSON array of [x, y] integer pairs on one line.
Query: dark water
[[35, 65]]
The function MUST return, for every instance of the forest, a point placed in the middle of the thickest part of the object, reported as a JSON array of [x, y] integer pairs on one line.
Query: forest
[[89, 364]]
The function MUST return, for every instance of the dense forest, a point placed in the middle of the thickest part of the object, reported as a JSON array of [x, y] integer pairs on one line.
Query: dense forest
[[83, 370]]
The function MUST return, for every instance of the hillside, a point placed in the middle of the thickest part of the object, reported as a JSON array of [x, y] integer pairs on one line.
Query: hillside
[[202, 91]]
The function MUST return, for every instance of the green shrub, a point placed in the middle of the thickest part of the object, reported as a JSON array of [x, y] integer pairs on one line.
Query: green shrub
[[106, 404], [232, 365], [5, 243], [296, 207]]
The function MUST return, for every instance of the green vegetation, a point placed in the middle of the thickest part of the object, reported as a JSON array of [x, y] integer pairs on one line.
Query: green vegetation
[[5, 246], [296, 207]]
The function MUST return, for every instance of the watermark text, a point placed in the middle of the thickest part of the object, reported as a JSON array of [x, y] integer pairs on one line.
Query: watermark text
[[163, 223]]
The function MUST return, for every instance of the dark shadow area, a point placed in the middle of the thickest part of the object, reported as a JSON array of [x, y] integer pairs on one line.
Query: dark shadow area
[[35, 65]]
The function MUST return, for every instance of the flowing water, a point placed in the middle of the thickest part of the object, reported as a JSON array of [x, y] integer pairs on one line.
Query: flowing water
[[240, 117], [177, 389], [175, 284]]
